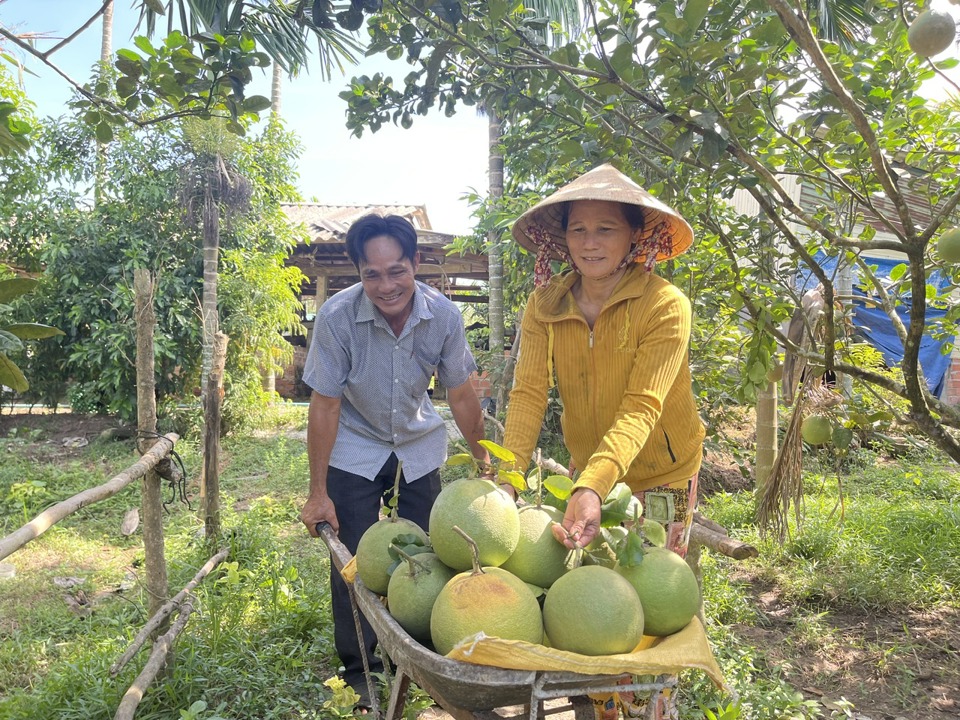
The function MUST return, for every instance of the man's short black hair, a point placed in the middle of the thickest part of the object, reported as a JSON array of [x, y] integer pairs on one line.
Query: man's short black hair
[[373, 225]]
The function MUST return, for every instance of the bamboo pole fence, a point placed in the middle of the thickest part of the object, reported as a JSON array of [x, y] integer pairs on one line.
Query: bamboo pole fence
[[51, 516]]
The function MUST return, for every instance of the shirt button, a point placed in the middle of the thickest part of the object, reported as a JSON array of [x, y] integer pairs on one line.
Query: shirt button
[[396, 347], [396, 380], [394, 434], [394, 410]]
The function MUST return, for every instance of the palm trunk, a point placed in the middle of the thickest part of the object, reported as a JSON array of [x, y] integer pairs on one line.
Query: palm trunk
[[495, 319], [767, 421], [211, 255], [106, 51], [276, 88]]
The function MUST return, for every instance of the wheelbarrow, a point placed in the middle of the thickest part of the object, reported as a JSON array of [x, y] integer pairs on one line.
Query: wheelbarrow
[[465, 690]]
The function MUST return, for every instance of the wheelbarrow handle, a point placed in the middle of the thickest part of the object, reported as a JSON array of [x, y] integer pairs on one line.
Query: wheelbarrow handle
[[325, 530]]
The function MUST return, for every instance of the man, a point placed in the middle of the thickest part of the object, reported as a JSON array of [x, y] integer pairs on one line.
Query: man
[[375, 348]]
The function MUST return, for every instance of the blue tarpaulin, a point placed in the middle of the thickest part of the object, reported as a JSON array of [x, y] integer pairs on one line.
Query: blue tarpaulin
[[877, 328]]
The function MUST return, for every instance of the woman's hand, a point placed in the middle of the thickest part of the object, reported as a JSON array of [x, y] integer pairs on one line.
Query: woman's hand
[[581, 521]]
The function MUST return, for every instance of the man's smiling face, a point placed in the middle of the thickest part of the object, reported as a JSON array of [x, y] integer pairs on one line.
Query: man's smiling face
[[389, 278]]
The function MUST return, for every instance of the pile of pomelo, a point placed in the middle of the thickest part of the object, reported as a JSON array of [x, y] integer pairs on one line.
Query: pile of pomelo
[[488, 566]]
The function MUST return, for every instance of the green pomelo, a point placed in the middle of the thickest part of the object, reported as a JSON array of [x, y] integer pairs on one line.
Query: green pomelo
[[539, 559], [494, 602], [373, 551], [412, 591], [816, 430], [948, 246], [668, 591], [485, 513], [931, 33], [592, 610]]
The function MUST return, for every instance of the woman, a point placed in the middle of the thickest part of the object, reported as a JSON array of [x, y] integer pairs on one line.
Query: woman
[[614, 338]]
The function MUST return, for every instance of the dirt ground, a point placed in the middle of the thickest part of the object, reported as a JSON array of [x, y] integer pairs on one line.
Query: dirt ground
[[890, 666]]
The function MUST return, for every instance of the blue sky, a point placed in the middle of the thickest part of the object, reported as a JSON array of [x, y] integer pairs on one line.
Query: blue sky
[[434, 163]]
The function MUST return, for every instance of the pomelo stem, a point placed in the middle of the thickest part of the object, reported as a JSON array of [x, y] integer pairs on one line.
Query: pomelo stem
[[577, 547], [395, 500], [415, 565], [474, 550]]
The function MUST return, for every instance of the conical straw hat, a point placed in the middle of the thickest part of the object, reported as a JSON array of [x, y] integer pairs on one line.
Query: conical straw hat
[[603, 183]]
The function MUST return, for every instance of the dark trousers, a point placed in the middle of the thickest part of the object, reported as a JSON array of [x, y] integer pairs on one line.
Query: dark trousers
[[357, 501]]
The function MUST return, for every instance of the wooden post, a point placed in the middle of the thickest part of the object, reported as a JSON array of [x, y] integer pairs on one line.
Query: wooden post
[[154, 559], [212, 403]]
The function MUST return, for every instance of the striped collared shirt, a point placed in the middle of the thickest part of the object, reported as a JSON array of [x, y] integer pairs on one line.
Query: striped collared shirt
[[382, 379]]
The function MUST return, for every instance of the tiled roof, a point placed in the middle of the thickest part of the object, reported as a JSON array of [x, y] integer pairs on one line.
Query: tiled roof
[[329, 223]]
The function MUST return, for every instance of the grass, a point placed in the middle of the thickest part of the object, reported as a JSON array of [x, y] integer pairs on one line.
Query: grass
[[260, 644]]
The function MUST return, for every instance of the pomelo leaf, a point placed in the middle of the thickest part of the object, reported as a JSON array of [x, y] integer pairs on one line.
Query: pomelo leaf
[[514, 478], [559, 486], [631, 552], [498, 451], [460, 459], [842, 437]]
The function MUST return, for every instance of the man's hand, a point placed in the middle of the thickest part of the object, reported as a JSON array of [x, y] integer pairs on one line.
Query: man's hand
[[319, 508], [581, 521]]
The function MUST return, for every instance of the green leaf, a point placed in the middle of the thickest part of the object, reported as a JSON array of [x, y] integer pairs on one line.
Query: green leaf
[[559, 486], [9, 342], [898, 271], [654, 532], [694, 13], [144, 44], [631, 551], [461, 459], [842, 437], [498, 451], [33, 331], [11, 376], [104, 132], [256, 103], [15, 287], [514, 478], [156, 6]]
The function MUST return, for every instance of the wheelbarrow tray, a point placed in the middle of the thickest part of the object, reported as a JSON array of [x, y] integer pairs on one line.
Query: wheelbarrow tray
[[455, 685]]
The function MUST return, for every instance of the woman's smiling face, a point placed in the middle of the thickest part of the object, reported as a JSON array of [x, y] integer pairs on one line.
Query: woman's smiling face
[[599, 236]]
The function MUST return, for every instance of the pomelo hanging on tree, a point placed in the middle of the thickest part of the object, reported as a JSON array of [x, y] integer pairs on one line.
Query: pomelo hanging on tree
[[948, 246], [931, 33]]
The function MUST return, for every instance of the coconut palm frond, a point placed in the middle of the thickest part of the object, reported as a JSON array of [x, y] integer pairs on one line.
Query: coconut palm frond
[[784, 487], [279, 28]]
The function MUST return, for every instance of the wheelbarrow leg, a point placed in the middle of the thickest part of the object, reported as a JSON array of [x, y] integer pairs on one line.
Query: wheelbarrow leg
[[372, 693], [398, 694]]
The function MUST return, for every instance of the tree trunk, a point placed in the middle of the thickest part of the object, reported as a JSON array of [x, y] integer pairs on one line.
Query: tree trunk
[[767, 422], [276, 88], [211, 256], [154, 559], [106, 51], [212, 403], [495, 320]]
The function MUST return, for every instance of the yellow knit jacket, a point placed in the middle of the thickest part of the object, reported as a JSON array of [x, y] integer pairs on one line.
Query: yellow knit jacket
[[628, 407]]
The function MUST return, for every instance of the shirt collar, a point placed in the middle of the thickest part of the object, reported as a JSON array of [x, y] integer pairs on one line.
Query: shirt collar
[[367, 311], [556, 302]]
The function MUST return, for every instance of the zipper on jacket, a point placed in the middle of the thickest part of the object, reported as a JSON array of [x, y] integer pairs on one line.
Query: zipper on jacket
[[673, 458], [591, 338]]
